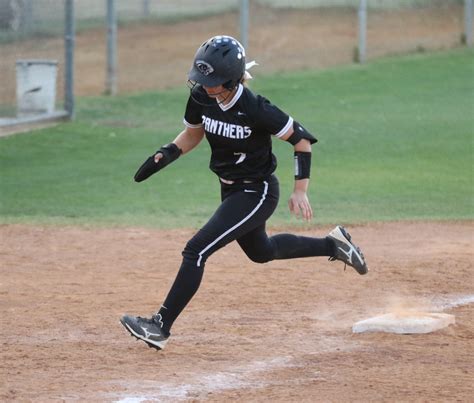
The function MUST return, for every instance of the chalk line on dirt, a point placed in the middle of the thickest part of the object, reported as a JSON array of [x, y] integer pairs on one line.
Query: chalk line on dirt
[[251, 375], [453, 301], [237, 377]]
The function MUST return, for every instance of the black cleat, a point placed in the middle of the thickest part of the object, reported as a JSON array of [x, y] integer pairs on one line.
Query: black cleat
[[148, 330], [346, 251]]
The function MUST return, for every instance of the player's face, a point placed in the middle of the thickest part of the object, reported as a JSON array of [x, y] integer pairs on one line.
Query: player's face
[[214, 92]]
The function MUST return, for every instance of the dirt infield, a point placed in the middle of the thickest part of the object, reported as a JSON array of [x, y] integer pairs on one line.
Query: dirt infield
[[279, 331]]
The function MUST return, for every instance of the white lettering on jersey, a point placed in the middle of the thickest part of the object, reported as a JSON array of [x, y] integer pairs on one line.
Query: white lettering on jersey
[[224, 129], [213, 125], [242, 156]]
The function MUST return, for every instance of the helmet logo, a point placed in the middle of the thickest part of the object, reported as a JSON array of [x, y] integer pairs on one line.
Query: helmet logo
[[204, 67]]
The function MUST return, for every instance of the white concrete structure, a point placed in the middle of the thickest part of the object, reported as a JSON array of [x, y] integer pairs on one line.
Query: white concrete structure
[[36, 87]]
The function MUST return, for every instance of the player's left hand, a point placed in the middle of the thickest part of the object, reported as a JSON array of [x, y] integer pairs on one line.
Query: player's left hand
[[299, 205]]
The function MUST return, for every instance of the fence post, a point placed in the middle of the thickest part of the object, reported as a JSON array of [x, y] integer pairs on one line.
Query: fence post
[[111, 80], [467, 39], [362, 48], [146, 8], [69, 45], [244, 23], [27, 21]]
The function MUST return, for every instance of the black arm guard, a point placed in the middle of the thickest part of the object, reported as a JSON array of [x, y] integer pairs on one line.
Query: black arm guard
[[170, 152], [299, 132], [302, 164]]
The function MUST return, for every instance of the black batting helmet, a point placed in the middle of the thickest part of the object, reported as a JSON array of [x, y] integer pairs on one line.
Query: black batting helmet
[[219, 61]]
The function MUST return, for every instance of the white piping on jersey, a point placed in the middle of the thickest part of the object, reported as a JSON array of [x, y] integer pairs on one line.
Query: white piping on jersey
[[191, 126], [285, 129], [264, 195], [235, 98]]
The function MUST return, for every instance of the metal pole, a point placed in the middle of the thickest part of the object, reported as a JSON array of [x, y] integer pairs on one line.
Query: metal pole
[[362, 49], [244, 23], [468, 22], [111, 80], [27, 21], [69, 44], [146, 8]]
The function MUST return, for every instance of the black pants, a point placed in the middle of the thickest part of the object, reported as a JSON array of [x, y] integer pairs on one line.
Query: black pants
[[242, 216]]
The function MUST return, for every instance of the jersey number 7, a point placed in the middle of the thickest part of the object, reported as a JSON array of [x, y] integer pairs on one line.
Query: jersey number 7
[[241, 158]]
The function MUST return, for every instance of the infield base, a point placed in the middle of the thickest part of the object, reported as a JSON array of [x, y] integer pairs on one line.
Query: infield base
[[405, 323]]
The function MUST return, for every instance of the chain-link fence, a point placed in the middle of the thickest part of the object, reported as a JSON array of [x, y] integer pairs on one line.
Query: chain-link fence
[[164, 10], [156, 39], [282, 34], [321, 33]]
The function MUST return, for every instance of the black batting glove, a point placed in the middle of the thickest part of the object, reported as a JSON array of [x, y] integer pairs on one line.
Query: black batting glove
[[170, 152]]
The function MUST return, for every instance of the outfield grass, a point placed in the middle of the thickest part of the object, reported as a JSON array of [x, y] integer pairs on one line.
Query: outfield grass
[[395, 143]]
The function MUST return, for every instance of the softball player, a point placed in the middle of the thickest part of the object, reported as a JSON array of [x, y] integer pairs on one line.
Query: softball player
[[239, 126]]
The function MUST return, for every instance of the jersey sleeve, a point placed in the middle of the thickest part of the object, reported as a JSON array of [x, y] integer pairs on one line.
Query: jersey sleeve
[[272, 119], [193, 113]]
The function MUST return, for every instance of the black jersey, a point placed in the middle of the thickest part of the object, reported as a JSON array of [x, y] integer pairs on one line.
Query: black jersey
[[239, 132]]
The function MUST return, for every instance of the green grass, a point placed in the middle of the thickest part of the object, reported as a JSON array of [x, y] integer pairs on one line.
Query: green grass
[[395, 143]]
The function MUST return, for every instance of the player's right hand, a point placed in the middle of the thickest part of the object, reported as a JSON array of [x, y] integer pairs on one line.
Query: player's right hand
[[164, 156], [158, 157]]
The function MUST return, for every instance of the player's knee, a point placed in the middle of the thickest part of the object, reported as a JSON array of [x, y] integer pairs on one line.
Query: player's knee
[[261, 252], [190, 251], [259, 257]]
